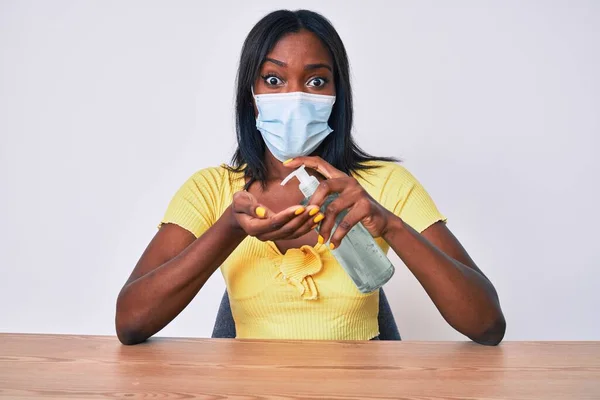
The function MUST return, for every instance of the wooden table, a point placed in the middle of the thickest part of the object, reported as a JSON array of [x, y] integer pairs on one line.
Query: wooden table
[[88, 367]]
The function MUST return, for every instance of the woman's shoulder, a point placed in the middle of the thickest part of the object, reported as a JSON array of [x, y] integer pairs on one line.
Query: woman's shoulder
[[216, 177], [384, 173], [202, 198], [393, 186]]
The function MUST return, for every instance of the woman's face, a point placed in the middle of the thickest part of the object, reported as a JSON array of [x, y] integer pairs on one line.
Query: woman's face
[[299, 62]]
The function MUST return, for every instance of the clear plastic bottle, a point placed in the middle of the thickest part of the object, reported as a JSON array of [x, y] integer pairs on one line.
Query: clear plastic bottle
[[358, 253]]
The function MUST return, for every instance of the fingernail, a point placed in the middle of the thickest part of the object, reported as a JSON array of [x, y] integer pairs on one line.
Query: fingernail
[[288, 161], [299, 211], [314, 227], [332, 246], [313, 211], [319, 218], [321, 240], [261, 212]]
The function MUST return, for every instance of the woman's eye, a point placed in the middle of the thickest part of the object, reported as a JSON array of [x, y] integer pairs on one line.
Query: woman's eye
[[317, 82], [272, 80]]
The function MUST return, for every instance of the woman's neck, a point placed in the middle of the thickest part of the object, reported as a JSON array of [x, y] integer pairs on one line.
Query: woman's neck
[[276, 171]]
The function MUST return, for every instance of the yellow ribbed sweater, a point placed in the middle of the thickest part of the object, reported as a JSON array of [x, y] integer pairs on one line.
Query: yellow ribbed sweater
[[304, 294]]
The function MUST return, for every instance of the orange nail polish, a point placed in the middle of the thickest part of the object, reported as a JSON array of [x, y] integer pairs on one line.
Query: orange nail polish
[[319, 218], [332, 246], [299, 211], [288, 161], [313, 211], [321, 239], [260, 211]]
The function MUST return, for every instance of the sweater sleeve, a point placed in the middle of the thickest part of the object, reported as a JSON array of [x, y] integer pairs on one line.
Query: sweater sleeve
[[194, 205], [407, 198]]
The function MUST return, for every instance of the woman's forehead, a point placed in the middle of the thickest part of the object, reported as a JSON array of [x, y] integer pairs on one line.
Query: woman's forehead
[[302, 47]]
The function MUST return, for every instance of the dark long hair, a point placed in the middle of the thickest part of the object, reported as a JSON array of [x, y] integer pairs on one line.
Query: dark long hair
[[339, 148]]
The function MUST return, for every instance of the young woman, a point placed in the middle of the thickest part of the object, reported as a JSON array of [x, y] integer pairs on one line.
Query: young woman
[[293, 108]]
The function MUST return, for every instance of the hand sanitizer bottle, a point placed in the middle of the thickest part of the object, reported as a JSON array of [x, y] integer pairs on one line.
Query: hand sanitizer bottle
[[358, 253]]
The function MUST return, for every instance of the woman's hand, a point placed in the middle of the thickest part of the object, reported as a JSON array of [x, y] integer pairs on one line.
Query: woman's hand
[[257, 220], [361, 206]]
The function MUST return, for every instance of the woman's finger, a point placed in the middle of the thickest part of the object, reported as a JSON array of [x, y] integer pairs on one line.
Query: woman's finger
[[245, 203], [327, 187], [332, 212], [294, 228], [261, 227], [311, 223], [354, 216], [316, 163]]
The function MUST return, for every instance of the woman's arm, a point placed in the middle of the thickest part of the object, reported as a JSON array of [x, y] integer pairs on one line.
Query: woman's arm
[[176, 265], [461, 292], [169, 274]]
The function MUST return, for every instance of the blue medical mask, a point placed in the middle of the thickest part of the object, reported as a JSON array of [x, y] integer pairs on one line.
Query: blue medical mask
[[293, 124]]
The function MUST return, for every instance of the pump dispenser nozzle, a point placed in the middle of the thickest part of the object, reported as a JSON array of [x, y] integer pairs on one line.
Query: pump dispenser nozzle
[[308, 184]]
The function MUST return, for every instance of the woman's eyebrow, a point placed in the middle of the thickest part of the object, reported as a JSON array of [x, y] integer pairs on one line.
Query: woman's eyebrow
[[317, 66], [276, 62], [306, 67]]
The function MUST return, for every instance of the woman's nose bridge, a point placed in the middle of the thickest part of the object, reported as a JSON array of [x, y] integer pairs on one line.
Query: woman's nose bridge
[[295, 84]]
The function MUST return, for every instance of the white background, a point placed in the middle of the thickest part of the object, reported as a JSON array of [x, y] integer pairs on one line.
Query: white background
[[106, 107]]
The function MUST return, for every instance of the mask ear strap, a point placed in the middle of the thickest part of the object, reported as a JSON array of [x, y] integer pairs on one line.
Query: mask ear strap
[[252, 90]]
